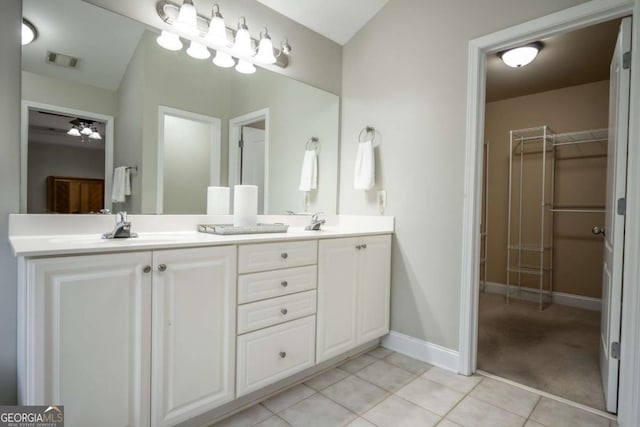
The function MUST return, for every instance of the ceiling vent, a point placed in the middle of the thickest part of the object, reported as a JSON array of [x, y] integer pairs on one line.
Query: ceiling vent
[[62, 60]]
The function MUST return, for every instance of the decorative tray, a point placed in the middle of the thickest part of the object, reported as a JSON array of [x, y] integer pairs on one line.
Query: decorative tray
[[231, 229]]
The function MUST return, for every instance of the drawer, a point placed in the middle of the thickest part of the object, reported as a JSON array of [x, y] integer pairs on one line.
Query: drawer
[[271, 256], [269, 284], [258, 315], [271, 354]]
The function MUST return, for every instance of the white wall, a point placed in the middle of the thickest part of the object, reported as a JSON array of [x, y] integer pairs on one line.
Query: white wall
[[10, 19], [315, 59], [405, 73]]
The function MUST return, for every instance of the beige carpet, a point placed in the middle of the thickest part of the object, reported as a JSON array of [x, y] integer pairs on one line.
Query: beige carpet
[[555, 350]]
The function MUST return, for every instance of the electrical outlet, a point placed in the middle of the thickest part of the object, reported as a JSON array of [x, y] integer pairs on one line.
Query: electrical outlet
[[382, 200]]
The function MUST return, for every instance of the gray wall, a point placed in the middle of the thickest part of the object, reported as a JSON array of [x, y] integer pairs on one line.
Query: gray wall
[[405, 73], [10, 18]]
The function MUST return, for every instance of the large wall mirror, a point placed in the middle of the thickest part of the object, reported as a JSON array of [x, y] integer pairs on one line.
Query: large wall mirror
[[173, 122]]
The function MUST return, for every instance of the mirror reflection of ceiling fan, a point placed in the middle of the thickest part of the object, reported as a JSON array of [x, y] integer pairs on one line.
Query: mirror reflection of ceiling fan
[[80, 127]]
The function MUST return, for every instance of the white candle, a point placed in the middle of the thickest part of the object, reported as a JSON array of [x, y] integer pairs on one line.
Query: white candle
[[245, 205]]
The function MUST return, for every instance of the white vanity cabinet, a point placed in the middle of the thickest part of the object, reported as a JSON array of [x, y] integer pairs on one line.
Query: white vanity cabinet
[[353, 293], [129, 339], [84, 332], [193, 332], [276, 322]]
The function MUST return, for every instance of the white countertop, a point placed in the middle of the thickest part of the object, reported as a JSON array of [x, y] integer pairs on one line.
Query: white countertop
[[46, 235]]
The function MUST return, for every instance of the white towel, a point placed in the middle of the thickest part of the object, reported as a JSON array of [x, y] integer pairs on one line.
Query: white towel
[[121, 186], [364, 176], [309, 173]]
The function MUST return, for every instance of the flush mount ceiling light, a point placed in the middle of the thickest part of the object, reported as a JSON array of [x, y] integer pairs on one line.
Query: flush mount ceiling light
[[521, 56], [29, 32], [181, 19]]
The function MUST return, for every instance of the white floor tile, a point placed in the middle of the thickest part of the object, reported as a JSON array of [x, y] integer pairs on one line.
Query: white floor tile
[[452, 380], [355, 394], [386, 376], [506, 396], [430, 395], [288, 398], [397, 412], [552, 413], [474, 412]]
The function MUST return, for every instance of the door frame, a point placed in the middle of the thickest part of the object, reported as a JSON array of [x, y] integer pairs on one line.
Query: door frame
[[215, 143], [234, 151], [24, 145], [574, 18]]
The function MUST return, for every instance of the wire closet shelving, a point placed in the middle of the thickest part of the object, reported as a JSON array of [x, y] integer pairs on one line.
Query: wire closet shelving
[[530, 250]]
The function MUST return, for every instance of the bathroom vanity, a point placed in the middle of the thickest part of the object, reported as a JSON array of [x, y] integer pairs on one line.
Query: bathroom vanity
[[157, 330]]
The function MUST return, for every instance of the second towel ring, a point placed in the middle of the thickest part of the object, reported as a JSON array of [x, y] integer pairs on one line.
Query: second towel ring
[[367, 130], [312, 143]]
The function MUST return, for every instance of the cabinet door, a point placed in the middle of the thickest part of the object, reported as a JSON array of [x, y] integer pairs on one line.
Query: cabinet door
[[193, 357], [88, 346], [337, 297], [374, 287]]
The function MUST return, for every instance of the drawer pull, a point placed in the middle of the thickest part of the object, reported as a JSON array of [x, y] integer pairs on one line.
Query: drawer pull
[[283, 354], [162, 267], [284, 255], [146, 269], [358, 246], [284, 311], [364, 246], [284, 283]]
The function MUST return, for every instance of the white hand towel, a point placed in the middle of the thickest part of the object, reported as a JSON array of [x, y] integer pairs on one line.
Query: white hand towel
[[309, 173], [119, 185], [127, 181], [364, 177]]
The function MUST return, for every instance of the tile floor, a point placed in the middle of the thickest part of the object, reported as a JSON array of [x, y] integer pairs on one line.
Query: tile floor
[[387, 389]]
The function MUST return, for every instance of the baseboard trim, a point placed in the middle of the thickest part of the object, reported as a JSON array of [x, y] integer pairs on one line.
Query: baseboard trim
[[561, 298], [425, 351]]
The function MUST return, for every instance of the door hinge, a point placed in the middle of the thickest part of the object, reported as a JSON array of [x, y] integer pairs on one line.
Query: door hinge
[[622, 206], [626, 60], [241, 144], [615, 350]]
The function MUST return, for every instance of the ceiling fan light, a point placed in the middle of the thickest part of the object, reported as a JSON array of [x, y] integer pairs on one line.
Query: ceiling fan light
[[169, 41], [245, 67], [187, 21], [86, 131], [95, 135], [73, 131], [223, 60], [198, 51], [521, 56]]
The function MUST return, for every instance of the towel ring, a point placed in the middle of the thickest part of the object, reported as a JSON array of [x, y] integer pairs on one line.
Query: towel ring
[[367, 130], [312, 143]]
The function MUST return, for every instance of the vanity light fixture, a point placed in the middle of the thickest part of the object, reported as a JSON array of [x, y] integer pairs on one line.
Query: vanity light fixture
[[223, 60], [187, 21], [198, 50], [245, 67], [29, 32], [243, 47], [265, 49], [521, 56], [217, 34], [169, 40]]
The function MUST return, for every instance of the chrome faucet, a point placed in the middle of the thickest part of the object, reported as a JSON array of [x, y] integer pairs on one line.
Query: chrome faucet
[[316, 222], [122, 230]]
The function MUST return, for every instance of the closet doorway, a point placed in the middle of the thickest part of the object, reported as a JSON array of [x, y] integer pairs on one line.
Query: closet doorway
[[549, 307]]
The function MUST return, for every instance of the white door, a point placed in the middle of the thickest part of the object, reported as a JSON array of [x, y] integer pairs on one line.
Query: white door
[[253, 161], [614, 222], [374, 287], [91, 328], [337, 297], [193, 332]]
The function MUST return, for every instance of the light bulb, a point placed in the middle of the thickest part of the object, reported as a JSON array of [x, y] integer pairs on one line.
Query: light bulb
[[242, 46], [28, 32], [73, 131], [95, 134], [265, 50], [245, 67], [520, 56], [198, 51], [86, 130], [169, 40], [187, 21], [223, 60]]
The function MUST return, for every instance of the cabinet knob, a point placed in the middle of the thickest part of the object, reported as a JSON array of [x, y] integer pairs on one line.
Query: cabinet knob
[[284, 283], [358, 246], [364, 246], [284, 255], [284, 311], [147, 269], [283, 354], [162, 267]]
